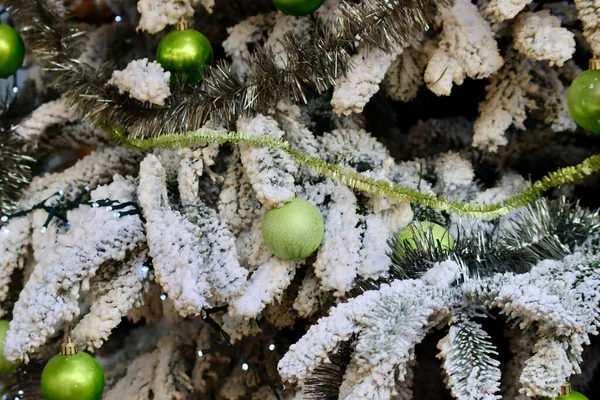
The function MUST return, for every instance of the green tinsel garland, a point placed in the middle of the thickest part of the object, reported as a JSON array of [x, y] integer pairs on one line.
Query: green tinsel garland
[[358, 181]]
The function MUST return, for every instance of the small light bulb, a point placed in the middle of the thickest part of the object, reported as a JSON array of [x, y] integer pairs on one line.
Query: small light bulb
[[271, 347], [61, 193], [86, 188], [44, 229], [118, 18], [163, 297], [4, 218], [245, 367], [117, 215], [15, 89], [109, 208], [200, 353], [144, 271]]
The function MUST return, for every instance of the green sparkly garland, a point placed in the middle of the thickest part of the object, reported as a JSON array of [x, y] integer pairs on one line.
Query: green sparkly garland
[[360, 182]]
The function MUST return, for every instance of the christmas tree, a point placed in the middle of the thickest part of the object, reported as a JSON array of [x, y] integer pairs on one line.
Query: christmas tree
[[299, 199]]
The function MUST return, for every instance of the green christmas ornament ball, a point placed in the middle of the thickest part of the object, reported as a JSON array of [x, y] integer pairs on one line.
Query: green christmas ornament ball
[[298, 8], [584, 100], [571, 396], [6, 367], [73, 377], [12, 51], [294, 231], [185, 52], [423, 232]]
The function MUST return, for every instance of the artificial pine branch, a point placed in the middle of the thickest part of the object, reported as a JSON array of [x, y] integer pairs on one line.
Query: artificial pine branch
[[545, 229], [469, 361]]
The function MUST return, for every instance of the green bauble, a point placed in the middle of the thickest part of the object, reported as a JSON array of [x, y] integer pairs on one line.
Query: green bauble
[[298, 8], [294, 231], [73, 377], [6, 367], [584, 100], [185, 53], [12, 51], [422, 231], [571, 396]]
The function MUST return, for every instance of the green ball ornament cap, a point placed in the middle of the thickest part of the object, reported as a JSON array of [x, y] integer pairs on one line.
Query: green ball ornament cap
[[6, 367], [567, 394], [584, 100], [186, 53], [420, 234], [294, 231], [298, 8], [72, 375], [12, 51]]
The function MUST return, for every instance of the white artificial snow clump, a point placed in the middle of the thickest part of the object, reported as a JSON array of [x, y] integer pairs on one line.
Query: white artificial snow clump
[[504, 105], [588, 11], [442, 274], [271, 172], [442, 72], [551, 361], [500, 10], [265, 286], [467, 48], [405, 76], [453, 172], [375, 261], [353, 91], [240, 36], [338, 259], [15, 238], [157, 14], [52, 113], [539, 36], [115, 293], [144, 81]]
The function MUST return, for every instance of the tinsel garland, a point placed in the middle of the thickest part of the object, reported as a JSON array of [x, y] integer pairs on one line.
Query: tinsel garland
[[355, 180], [15, 163], [315, 61]]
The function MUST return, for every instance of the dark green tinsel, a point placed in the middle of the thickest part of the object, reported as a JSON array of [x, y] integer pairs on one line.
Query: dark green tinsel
[[15, 164], [314, 62]]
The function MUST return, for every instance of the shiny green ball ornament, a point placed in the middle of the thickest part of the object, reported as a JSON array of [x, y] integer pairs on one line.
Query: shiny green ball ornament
[[294, 231], [298, 8], [72, 375], [422, 232], [573, 395], [6, 367], [185, 52], [12, 51], [584, 100]]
